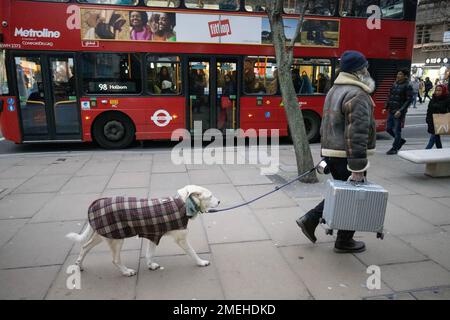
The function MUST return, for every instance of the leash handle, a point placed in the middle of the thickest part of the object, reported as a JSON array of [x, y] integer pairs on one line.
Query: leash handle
[[266, 194]]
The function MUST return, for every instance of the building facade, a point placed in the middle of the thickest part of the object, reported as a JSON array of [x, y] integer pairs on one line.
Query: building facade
[[431, 55]]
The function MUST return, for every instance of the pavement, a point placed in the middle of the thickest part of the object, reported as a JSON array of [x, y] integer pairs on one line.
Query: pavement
[[256, 252]]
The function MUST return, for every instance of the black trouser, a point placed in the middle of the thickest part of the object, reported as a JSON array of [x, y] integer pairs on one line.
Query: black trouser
[[339, 171]]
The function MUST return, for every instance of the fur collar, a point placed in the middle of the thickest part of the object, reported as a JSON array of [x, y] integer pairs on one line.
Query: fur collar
[[350, 79]]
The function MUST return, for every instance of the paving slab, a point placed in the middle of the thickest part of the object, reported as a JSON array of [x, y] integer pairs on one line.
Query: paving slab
[[434, 245], [51, 183], [165, 181], [246, 177], [16, 206], [278, 199], [376, 254], [97, 168], [100, 280], [400, 222], [328, 275], [8, 228], [58, 168], [394, 296], [208, 177], [256, 270], [236, 225], [38, 244], [415, 275], [197, 239], [393, 188], [424, 185], [16, 172], [282, 228], [445, 201], [27, 283], [162, 163], [65, 208], [11, 183], [129, 180], [226, 193], [423, 207], [436, 294], [180, 279], [87, 184], [128, 165]]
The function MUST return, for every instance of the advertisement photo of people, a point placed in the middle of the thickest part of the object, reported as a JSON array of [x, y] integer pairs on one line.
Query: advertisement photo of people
[[127, 25]]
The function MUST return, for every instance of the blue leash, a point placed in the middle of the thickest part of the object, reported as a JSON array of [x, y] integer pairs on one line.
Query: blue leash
[[270, 192]]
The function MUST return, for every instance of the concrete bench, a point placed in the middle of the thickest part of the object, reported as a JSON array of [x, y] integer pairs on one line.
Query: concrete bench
[[437, 160]]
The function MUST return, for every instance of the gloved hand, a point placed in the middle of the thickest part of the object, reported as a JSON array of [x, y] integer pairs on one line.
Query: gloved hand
[[357, 176]]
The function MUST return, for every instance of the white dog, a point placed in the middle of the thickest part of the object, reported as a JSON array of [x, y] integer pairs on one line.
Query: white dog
[[114, 219]]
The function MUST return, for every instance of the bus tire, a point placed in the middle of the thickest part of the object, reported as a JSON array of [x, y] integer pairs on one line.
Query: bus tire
[[113, 130], [312, 125]]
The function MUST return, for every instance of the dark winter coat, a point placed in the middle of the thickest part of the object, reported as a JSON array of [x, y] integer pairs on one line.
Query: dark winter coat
[[348, 127], [400, 97], [124, 217], [435, 106]]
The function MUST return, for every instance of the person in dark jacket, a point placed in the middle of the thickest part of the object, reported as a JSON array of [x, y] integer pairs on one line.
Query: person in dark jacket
[[400, 98], [440, 103], [428, 87], [348, 133]]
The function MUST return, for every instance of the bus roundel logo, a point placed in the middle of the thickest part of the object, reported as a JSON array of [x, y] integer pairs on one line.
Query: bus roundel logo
[[161, 118]]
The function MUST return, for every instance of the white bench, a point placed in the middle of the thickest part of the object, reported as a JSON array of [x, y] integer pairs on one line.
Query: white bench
[[437, 160]]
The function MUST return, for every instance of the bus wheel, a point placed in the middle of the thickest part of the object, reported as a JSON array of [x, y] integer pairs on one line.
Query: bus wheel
[[312, 125], [113, 131]]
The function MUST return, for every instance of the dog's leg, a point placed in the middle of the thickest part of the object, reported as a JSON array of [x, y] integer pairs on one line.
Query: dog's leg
[[85, 248], [181, 240], [151, 247], [116, 246]]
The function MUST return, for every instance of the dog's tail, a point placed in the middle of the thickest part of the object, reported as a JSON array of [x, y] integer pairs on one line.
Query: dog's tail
[[80, 237]]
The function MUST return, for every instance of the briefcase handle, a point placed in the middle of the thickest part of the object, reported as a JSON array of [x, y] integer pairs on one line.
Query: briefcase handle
[[357, 183]]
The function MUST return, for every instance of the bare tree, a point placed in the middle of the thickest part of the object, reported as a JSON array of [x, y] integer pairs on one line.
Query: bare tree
[[285, 57]]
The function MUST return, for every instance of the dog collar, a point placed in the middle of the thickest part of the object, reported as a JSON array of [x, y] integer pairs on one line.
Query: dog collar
[[192, 209]]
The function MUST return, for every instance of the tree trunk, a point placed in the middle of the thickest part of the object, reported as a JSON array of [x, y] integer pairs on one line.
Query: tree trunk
[[284, 56]]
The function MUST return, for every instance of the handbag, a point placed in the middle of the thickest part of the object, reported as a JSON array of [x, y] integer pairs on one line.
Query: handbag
[[225, 102], [441, 123]]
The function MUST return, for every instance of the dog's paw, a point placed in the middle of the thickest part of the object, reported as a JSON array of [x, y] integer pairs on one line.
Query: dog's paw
[[129, 273], [203, 263], [153, 266]]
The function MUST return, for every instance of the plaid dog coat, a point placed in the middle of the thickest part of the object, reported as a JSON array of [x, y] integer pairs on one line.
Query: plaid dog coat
[[124, 217]]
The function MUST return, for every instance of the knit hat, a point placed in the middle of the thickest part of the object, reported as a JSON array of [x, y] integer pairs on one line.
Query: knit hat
[[352, 61]]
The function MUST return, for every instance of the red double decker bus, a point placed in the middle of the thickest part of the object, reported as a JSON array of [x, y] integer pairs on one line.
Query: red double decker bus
[[113, 71]]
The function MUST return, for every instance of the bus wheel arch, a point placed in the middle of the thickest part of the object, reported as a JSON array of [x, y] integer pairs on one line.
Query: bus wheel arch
[[312, 122], [113, 130]]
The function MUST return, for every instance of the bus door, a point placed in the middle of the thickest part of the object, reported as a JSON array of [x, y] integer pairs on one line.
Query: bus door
[[212, 93], [46, 89]]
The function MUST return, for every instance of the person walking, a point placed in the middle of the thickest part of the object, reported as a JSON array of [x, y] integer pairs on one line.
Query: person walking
[[440, 103], [415, 87], [348, 135], [400, 98], [421, 90], [428, 87]]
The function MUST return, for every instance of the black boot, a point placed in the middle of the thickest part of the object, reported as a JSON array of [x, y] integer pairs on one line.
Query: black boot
[[345, 243], [308, 226]]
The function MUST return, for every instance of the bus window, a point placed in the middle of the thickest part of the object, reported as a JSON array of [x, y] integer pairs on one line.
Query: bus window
[[166, 4], [4, 90], [163, 75], [227, 5], [391, 9], [255, 5], [311, 76], [111, 73], [261, 76], [320, 7], [117, 2], [356, 8]]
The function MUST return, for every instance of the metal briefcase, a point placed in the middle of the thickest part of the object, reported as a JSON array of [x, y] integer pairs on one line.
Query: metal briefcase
[[355, 206]]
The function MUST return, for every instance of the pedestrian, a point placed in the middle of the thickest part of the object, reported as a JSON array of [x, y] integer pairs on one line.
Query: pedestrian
[[440, 103], [428, 87], [348, 135], [400, 98], [421, 90], [415, 87]]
